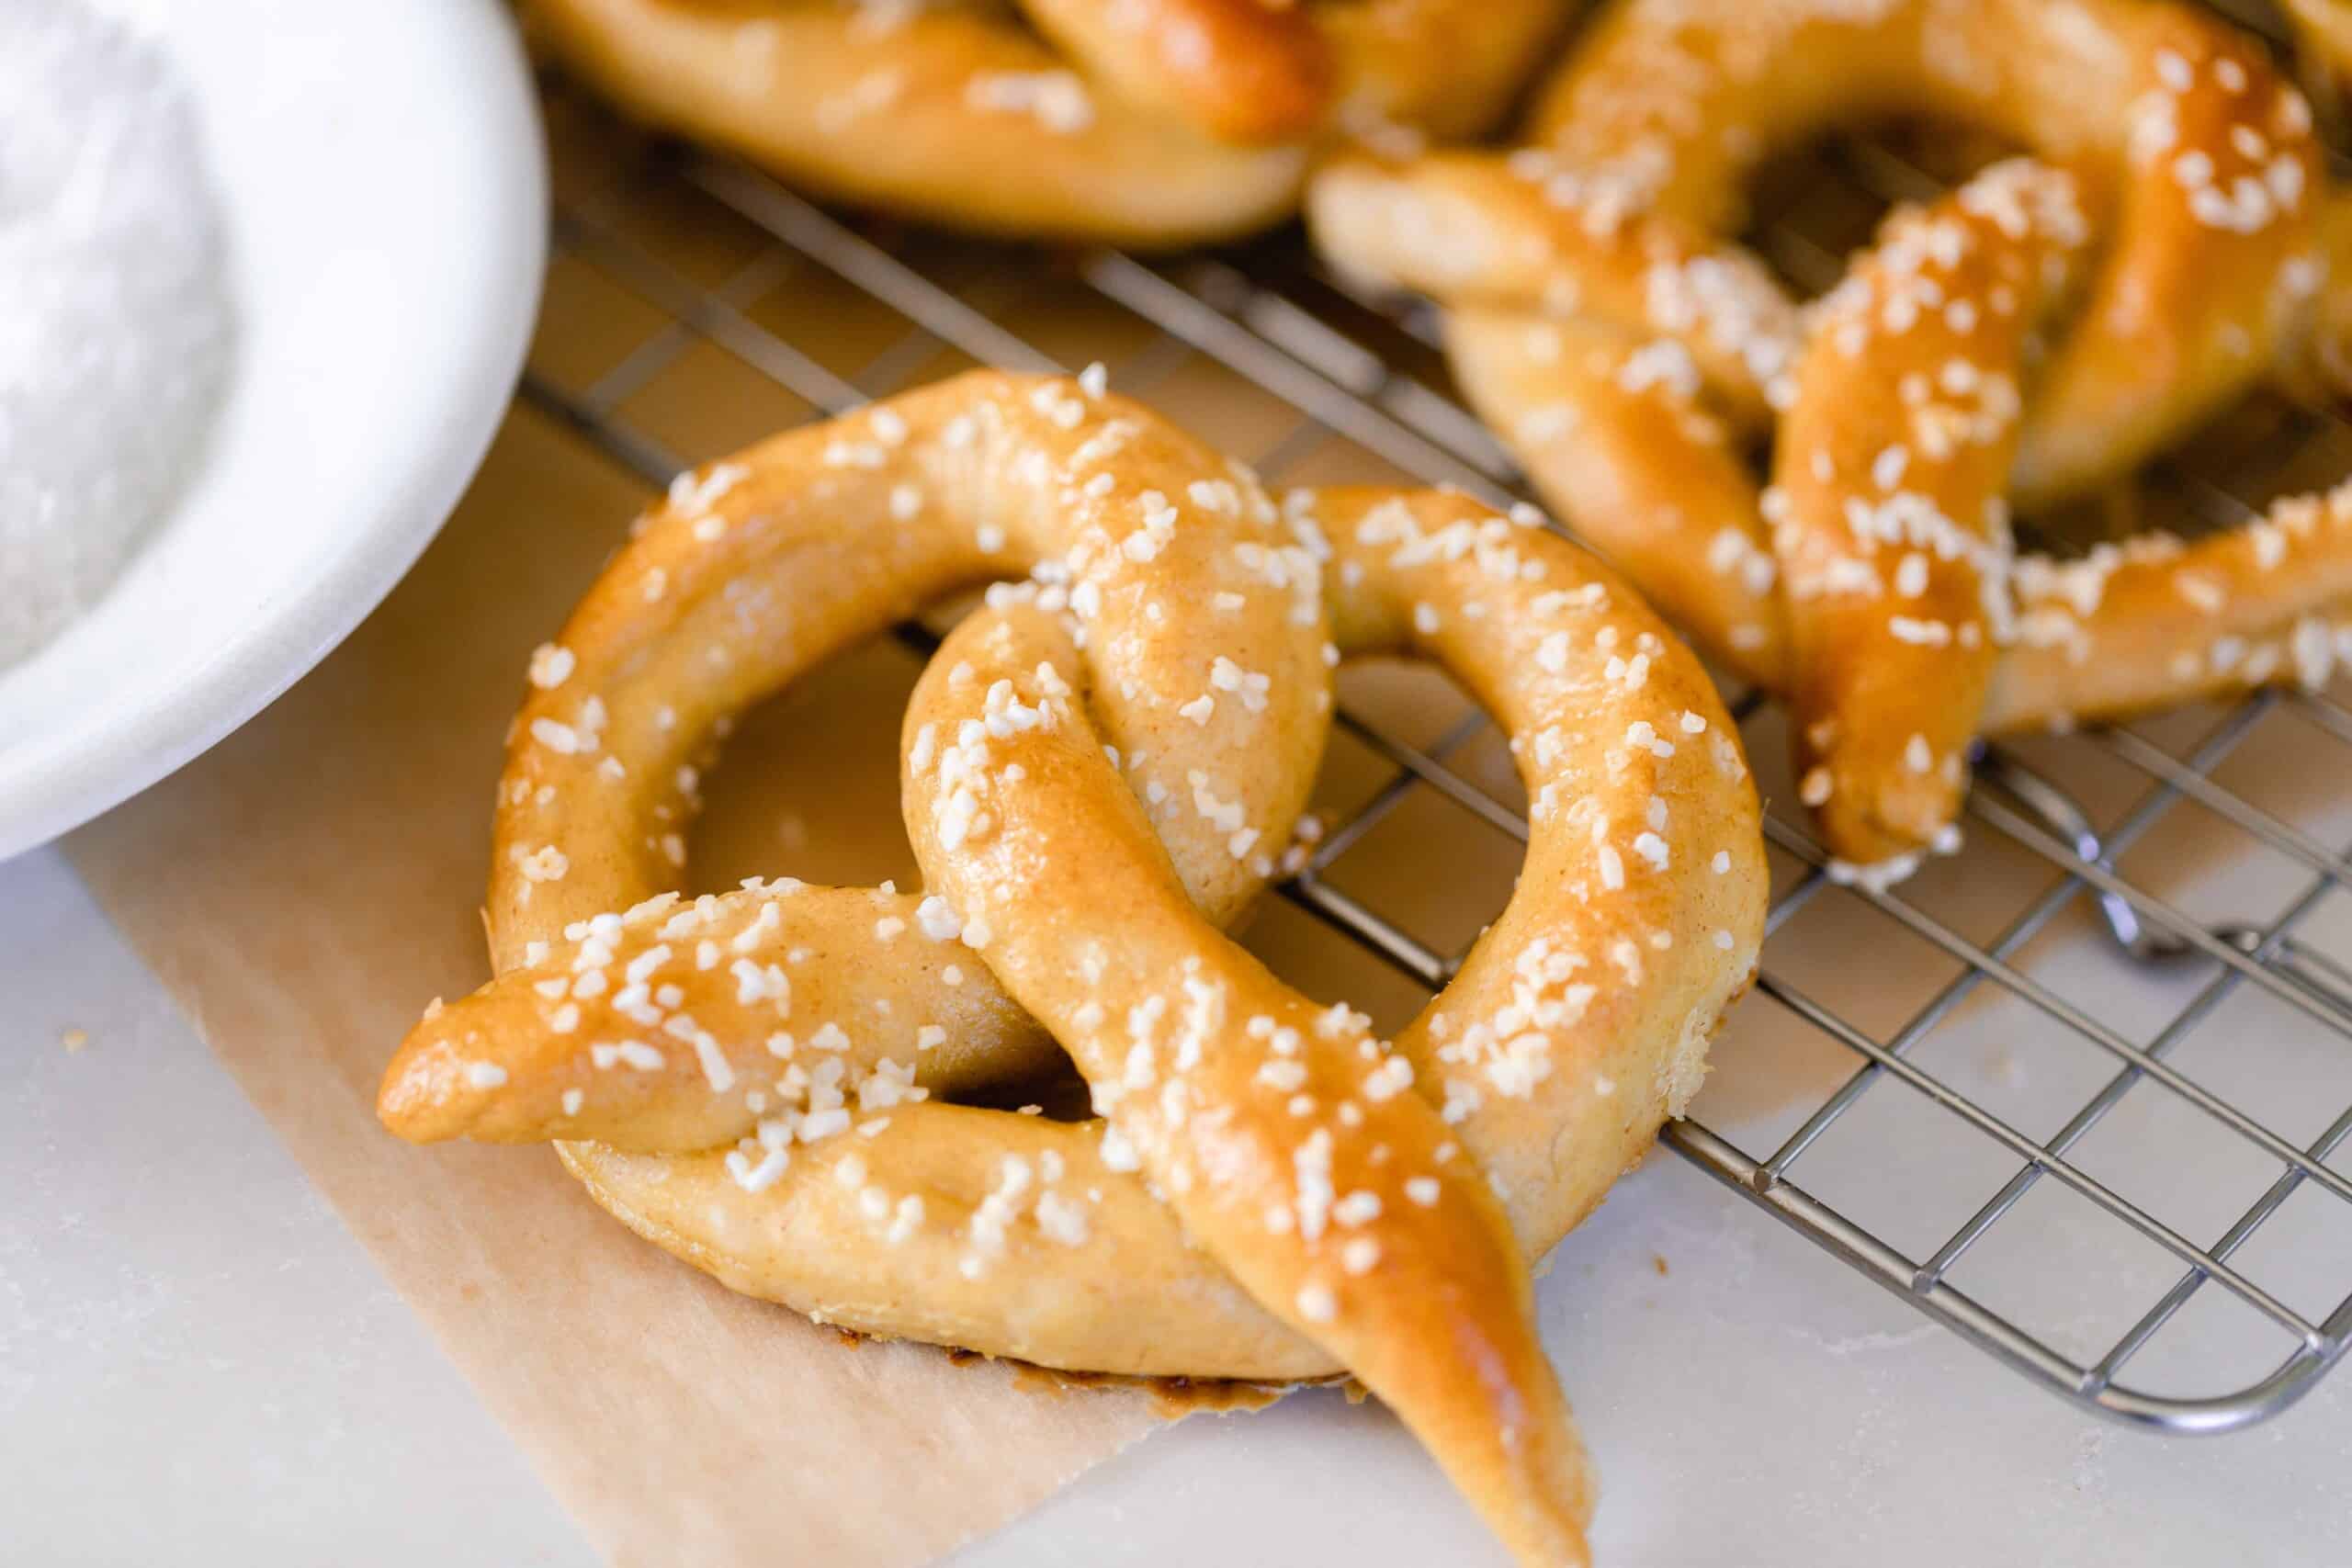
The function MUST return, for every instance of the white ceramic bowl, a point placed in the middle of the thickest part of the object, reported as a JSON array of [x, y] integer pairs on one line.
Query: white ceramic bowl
[[384, 187]]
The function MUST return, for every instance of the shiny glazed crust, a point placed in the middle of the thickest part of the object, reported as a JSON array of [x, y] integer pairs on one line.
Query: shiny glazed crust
[[1145, 122], [1605, 326], [1098, 767]]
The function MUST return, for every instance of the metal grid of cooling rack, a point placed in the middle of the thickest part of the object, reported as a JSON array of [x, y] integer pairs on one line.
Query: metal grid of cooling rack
[[1359, 372]]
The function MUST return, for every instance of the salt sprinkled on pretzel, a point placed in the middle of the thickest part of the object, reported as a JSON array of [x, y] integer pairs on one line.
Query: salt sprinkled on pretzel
[[1602, 322], [1146, 121], [1891, 529], [757, 570], [1272, 1192]]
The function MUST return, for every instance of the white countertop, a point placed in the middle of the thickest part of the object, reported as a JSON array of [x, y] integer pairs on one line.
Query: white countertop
[[198, 1363]]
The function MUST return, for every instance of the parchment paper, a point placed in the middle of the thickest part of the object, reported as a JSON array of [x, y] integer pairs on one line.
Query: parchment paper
[[307, 886]]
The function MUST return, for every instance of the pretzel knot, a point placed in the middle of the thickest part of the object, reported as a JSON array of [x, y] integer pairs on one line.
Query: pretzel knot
[[1143, 121], [1605, 326], [1099, 767]]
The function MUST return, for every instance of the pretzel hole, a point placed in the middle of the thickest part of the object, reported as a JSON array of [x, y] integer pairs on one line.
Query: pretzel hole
[[808, 785], [2257, 450], [1812, 206]]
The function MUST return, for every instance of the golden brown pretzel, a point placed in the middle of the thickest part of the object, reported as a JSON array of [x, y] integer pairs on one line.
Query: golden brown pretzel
[[1626, 353], [760, 566], [2192, 156], [1891, 524], [1274, 1195], [1141, 121]]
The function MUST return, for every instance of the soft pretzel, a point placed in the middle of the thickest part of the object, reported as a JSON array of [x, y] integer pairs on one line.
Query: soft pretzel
[[760, 566], [1273, 1193], [1627, 353], [1141, 121]]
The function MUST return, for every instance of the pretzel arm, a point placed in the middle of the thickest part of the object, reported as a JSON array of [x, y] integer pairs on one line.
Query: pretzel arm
[[1618, 438], [1097, 768], [1434, 1314], [2156, 621], [754, 977], [760, 566], [2208, 270], [1891, 531], [1480, 230]]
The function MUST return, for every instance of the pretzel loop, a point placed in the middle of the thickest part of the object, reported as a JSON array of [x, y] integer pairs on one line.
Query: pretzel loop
[[748, 576], [1273, 1192]]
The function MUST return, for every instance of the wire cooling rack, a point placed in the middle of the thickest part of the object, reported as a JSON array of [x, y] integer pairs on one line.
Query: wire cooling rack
[[2216, 1156]]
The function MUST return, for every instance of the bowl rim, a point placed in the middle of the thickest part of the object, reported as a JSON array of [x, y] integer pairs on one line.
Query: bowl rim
[[55, 781]]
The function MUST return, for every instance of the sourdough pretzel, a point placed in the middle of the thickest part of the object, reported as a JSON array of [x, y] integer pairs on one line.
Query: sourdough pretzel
[[1273, 1194], [1142, 121], [1626, 351]]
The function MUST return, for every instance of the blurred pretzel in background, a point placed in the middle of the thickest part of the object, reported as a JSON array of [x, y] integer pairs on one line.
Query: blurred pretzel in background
[[2042, 334], [1100, 767], [1145, 122]]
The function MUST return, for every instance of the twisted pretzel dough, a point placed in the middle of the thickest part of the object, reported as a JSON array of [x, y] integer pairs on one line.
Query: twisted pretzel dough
[[1151, 122], [1627, 352], [1273, 1193]]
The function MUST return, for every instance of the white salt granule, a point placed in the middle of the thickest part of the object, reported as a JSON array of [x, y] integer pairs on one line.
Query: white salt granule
[[117, 334]]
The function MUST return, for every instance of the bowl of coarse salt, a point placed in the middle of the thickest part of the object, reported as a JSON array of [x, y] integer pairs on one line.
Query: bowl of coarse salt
[[270, 267]]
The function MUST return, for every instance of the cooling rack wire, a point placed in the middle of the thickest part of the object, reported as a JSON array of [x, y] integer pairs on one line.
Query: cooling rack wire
[[2078, 1094]]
